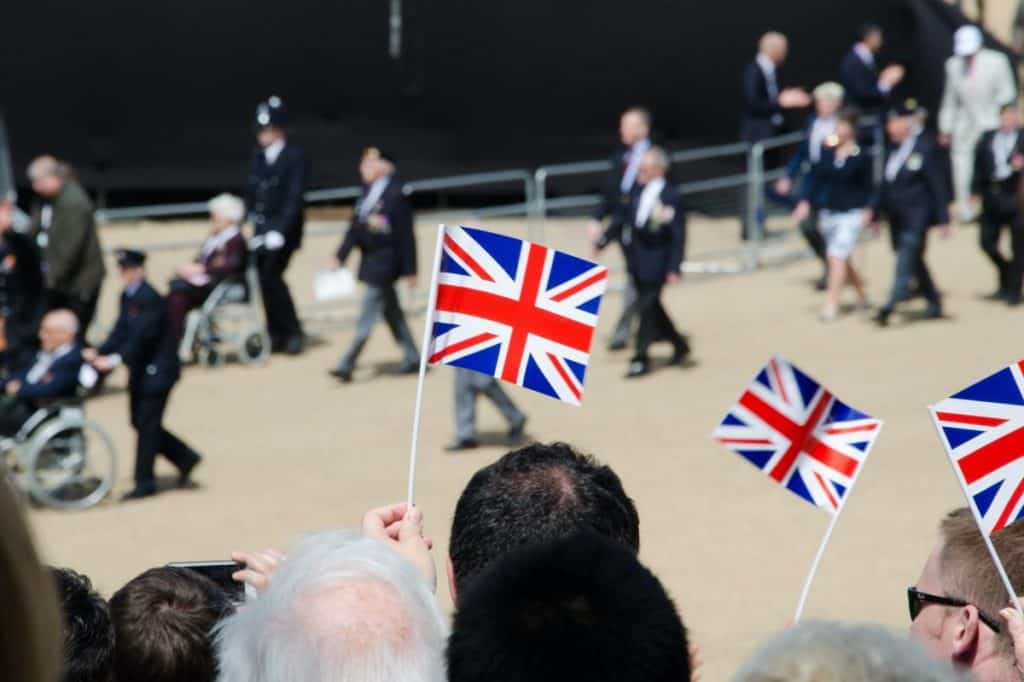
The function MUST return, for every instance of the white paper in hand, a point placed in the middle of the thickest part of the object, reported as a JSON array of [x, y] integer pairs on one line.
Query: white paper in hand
[[334, 284]]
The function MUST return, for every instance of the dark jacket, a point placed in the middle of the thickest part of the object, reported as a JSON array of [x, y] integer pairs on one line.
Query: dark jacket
[[918, 196], [388, 253], [844, 187], [226, 261], [21, 277], [59, 381], [998, 196], [72, 255], [274, 195], [654, 249], [140, 337], [762, 115], [613, 200], [860, 82]]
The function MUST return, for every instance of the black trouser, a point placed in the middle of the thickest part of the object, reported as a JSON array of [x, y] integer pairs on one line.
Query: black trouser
[[13, 413], [83, 308], [909, 235], [182, 297], [815, 239], [1011, 271], [147, 414], [655, 324], [282, 320]]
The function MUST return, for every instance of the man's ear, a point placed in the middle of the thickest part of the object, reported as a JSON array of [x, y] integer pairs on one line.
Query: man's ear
[[451, 582], [966, 630]]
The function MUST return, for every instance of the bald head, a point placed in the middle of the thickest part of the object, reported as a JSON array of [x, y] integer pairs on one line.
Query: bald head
[[774, 45], [57, 328], [47, 175]]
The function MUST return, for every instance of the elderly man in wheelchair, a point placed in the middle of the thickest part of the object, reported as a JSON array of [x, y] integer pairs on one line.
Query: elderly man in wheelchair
[[51, 449]]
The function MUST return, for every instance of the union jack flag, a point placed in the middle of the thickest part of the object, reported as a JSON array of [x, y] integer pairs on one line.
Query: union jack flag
[[518, 311], [794, 430], [982, 428]]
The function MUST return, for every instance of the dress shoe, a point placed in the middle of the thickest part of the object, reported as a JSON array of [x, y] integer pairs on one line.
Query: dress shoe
[[185, 475], [1013, 300], [295, 345], [882, 316], [617, 345], [409, 368], [139, 492], [679, 355], [933, 312], [342, 374], [821, 283], [517, 433], [462, 444], [637, 368]]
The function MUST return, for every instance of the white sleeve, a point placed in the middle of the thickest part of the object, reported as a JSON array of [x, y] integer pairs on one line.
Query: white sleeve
[[950, 102]]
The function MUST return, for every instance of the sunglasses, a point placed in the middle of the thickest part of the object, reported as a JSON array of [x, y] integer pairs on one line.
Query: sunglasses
[[917, 600]]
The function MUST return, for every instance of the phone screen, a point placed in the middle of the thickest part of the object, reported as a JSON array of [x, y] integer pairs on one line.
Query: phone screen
[[220, 573]]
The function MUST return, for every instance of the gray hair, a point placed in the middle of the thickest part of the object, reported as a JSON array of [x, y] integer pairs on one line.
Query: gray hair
[[830, 90], [835, 652], [227, 206], [342, 608], [43, 166], [660, 157]]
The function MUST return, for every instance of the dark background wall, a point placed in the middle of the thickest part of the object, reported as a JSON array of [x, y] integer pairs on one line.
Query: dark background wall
[[156, 97]]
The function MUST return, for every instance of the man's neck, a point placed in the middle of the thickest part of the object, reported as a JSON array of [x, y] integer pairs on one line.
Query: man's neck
[[991, 667]]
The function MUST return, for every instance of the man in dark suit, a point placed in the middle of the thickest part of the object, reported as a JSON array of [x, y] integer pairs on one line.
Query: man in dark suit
[[653, 234], [914, 196], [764, 99], [274, 198], [140, 341], [382, 229], [52, 375], [22, 291], [65, 229], [998, 160], [866, 88], [635, 135]]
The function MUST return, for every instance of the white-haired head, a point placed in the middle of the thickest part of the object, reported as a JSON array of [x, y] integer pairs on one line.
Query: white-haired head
[[829, 90], [227, 207], [342, 608], [835, 652]]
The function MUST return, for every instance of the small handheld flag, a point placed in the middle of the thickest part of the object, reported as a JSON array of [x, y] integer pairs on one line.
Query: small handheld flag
[[982, 430], [804, 438], [515, 310]]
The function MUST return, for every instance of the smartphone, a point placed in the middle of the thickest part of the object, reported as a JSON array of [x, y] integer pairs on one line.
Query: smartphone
[[220, 573]]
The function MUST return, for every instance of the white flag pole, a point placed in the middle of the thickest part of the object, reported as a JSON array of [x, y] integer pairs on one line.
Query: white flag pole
[[828, 536], [428, 322], [977, 518]]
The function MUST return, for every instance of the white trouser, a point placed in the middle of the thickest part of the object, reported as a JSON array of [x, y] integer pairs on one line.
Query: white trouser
[[962, 158]]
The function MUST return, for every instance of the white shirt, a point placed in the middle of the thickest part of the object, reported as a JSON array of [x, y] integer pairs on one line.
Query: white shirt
[[636, 152], [46, 216], [215, 241], [373, 196], [866, 55], [272, 151], [820, 129], [648, 198], [44, 361], [768, 69], [900, 156], [1003, 143]]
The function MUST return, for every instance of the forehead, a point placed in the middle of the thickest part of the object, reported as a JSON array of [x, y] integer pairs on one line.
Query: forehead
[[931, 575]]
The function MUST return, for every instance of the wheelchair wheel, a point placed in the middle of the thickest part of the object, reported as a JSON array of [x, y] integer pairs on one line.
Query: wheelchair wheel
[[255, 348], [70, 464]]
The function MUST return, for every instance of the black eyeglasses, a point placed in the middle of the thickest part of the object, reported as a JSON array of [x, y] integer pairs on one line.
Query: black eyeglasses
[[917, 599]]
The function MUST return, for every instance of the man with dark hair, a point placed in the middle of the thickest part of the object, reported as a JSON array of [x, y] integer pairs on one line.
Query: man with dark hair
[[163, 621], [866, 87], [88, 630], [578, 608], [537, 493], [956, 603]]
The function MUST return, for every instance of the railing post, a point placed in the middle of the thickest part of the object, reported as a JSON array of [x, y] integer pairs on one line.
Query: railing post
[[540, 207], [755, 202]]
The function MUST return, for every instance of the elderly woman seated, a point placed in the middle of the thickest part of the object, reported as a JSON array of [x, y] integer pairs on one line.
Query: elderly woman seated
[[222, 256]]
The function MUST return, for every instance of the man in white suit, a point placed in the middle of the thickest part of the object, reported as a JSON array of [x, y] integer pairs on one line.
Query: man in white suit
[[979, 81]]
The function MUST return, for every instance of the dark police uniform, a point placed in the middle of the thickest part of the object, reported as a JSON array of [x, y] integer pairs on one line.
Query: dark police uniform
[[142, 340], [22, 299], [275, 202], [614, 204], [996, 184], [388, 254], [914, 195], [654, 248]]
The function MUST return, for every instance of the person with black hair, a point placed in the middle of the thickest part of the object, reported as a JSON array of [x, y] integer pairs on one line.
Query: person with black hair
[[537, 493], [866, 87], [577, 608], [163, 620], [88, 630]]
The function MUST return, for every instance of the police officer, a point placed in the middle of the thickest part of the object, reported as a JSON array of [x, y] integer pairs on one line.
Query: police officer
[[274, 199], [382, 229], [654, 236], [635, 137], [998, 160], [913, 194], [140, 340]]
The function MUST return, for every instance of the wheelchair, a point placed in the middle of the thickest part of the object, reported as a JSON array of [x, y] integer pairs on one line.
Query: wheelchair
[[230, 322], [60, 458]]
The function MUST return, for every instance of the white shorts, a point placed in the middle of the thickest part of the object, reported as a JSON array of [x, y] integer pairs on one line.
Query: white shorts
[[841, 231]]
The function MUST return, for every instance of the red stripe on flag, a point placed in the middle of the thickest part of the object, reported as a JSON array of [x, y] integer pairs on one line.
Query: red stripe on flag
[[1004, 518], [466, 343], [565, 375], [839, 430], [452, 246], [969, 419], [995, 455], [828, 493], [746, 441], [833, 459], [778, 381], [593, 279]]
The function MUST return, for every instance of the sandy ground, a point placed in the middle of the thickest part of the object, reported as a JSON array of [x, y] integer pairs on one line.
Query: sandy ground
[[288, 450]]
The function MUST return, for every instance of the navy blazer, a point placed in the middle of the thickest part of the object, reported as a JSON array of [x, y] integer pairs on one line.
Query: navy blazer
[[861, 84], [762, 113], [140, 336], [842, 188], [275, 193], [653, 250], [918, 196], [388, 253], [59, 381], [983, 181]]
